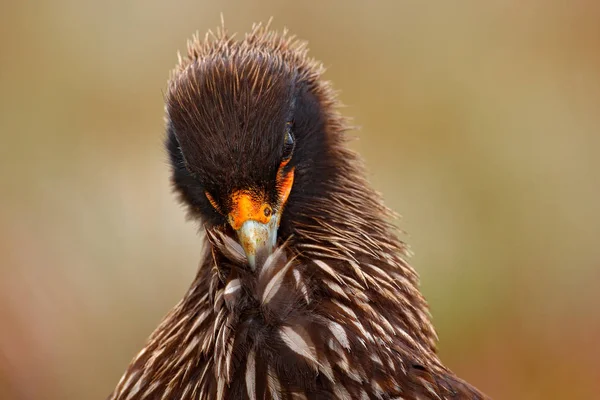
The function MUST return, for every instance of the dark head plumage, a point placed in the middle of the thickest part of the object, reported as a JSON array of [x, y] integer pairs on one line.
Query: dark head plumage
[[228, 107], [304, 291]]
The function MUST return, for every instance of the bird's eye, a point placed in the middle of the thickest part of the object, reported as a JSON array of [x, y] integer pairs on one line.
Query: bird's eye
[[288, 142]]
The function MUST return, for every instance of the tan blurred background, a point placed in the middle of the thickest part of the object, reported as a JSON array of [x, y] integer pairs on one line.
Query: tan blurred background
[[480, 125]]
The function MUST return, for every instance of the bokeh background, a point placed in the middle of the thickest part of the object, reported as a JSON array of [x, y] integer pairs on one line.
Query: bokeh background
[[480, 125]]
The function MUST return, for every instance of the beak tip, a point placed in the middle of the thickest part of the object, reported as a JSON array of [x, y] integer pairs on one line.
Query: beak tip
[[257, 240], [251, 260]]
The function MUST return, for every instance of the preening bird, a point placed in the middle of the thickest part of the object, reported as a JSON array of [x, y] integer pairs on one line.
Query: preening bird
[[304, 290]]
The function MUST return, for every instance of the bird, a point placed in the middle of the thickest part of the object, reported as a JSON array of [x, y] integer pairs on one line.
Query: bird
[[304, 289]]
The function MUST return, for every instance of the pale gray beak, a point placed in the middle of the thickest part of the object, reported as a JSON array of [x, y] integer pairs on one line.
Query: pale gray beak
[[258, 240]]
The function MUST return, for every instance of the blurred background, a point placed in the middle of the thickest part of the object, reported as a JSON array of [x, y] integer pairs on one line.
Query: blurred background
[[480, 125]]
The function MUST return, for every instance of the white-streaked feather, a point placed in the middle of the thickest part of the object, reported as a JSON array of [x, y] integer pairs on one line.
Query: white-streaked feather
[[336, 288], [301, 285], [294, 339], [271, 261], [273, 384], [341, 393], [340, 333], [323, 265], [251, 375], [233, 286], [274, 284]]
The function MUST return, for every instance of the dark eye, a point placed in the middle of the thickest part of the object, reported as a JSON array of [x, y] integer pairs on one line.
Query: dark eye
[[289, 142]]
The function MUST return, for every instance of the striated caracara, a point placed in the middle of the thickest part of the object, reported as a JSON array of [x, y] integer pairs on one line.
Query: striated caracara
[[304, 291]]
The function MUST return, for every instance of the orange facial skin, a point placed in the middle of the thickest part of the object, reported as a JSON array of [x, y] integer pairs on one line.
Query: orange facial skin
[[247, 205], [284, 184]]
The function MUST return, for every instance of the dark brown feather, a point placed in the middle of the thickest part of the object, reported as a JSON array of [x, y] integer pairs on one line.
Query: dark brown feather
[[335, 312]]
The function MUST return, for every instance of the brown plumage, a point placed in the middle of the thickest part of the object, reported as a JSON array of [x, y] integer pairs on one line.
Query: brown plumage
[[323, 305]]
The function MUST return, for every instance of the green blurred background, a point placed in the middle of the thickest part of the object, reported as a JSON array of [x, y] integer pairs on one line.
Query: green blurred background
[[480, 125]]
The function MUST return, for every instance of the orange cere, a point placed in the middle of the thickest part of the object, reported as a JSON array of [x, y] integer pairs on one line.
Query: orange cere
[[246, 206]]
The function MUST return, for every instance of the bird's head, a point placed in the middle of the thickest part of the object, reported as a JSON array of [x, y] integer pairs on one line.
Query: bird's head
[[248, 135]]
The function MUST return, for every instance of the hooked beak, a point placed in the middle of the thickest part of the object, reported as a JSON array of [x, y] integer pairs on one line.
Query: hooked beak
[[256, 224], [258, 239]]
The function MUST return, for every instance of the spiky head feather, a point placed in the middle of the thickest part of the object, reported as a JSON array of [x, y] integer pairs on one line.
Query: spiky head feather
[[228, 98]]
